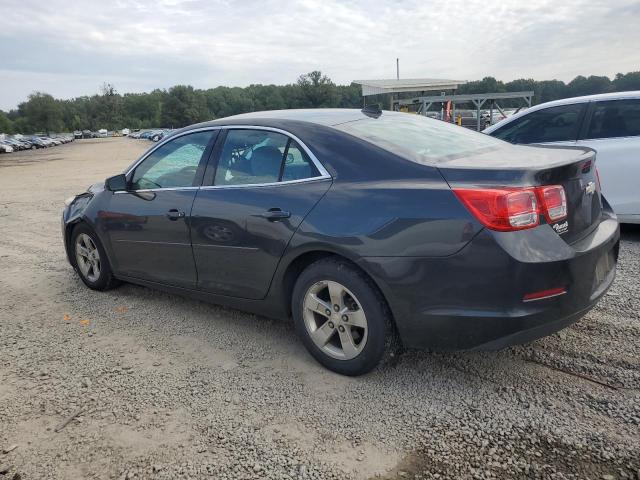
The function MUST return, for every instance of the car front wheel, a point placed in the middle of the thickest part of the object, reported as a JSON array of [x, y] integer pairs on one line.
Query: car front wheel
[[90, 260], [342, 318]]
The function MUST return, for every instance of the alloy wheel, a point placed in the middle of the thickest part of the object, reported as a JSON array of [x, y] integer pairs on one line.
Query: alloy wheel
[[335, 320], [87, 257]]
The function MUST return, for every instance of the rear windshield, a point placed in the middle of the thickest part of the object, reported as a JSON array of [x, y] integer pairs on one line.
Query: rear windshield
[[418, 138]]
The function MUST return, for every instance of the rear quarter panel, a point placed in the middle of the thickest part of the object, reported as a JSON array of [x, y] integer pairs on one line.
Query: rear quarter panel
[[402, 218]]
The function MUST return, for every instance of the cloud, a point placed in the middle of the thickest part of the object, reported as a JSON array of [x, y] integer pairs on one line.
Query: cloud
[[70, 48]]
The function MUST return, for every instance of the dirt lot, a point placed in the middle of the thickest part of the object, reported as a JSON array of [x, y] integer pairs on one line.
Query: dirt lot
[[165, 387]]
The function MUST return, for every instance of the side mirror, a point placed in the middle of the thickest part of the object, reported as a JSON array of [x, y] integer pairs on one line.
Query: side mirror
[[117, 183]]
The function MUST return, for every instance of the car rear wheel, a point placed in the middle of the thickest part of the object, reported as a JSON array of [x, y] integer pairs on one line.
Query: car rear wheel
[[342, 318], [90, 260]]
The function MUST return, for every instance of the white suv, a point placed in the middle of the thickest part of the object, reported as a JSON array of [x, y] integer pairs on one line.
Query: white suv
[[609, 123]]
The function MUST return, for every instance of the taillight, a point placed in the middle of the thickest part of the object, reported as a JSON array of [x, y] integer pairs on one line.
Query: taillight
[[553, 202], [510, 209], [501, 209], [598, 178]]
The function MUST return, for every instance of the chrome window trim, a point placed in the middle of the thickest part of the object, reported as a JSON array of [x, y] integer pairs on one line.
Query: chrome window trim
[[314, 159], [221, 187], [270, 184], [147, 190], [324, 174]]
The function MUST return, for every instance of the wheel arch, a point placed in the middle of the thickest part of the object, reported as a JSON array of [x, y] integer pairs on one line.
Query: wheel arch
[[68, 232], [296, 265]]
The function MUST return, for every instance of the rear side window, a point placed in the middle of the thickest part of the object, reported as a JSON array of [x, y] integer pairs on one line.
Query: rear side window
[[553, 124], [615, 118], [254, 157], [297, 164]]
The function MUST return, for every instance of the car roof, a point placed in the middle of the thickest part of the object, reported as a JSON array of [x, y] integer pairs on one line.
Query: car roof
[[565, 101], [320, 116], [592, 98]]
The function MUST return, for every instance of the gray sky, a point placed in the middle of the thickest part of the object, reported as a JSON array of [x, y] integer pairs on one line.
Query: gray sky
[[69, 48]]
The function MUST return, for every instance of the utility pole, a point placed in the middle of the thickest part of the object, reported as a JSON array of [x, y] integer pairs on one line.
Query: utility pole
[[397, 78]]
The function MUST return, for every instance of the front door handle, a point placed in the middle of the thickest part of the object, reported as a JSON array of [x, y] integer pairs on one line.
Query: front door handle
[[275, 214], [175, 214]]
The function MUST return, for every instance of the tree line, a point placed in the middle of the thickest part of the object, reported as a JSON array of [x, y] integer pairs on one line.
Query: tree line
[[183, 105]]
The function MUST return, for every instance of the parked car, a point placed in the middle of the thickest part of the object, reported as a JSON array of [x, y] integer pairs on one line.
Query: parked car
[[609, 123], [158, 135], [146, 134], [5, 147], [77, 134], [47, 141], [15, 144], [37, 142], [103, 133], [362, 225], [125, 132]]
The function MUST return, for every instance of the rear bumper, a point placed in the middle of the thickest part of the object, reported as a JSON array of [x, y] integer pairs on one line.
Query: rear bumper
[[474, 299]]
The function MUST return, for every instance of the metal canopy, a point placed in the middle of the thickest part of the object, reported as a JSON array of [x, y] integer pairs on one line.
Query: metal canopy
[[376, 87], [478, 99]]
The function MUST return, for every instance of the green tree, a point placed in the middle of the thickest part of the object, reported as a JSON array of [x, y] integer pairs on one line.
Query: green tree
[[42, 113], [588, 85], [486, 85], [548, 90], [182, 106], [349, 96], [317, 90], [626, 82], [108, 108], [6, 125]]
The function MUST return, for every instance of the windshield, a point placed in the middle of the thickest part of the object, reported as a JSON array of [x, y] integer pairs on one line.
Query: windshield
[[418, 138]]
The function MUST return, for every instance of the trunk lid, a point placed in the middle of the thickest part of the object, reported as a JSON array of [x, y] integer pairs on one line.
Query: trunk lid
[[524, 166]]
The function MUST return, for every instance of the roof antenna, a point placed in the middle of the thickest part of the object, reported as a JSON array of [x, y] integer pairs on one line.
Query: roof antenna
[[372, 111], [397, 69]]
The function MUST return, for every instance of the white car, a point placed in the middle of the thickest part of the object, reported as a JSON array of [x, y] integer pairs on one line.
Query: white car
[[5, 148], [609, 123]]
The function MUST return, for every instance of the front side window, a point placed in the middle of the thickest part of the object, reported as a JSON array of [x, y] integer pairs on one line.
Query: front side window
[[172, 165], [553, 124], [615, 118], [251, 157]]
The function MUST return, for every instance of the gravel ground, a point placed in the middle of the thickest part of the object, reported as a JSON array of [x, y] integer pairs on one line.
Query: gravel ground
[[164, 387]]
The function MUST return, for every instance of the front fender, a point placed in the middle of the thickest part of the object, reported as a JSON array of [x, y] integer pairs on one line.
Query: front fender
[[73, 214]]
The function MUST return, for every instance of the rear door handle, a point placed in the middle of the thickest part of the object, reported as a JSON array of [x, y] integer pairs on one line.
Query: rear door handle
[[275, 214], [175, 214]]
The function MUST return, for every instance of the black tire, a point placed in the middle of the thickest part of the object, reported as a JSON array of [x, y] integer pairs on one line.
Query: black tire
[[105, 280], [381, 341]]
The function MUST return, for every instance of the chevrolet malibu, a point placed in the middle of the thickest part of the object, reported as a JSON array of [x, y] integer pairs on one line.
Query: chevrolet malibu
[[371, 229]]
